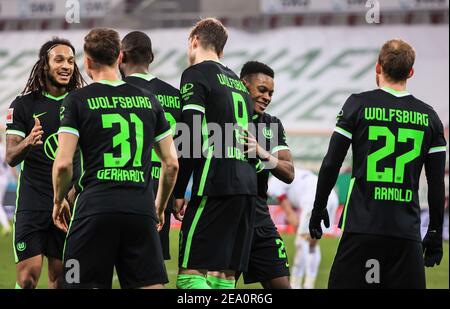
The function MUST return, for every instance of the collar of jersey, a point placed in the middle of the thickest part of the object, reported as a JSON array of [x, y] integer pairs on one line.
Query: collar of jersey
[[113, 83], [148, 77], [395, 92], [48, 95]]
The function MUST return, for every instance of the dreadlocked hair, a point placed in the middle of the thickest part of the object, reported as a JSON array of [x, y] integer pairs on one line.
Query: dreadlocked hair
[[36, 81]]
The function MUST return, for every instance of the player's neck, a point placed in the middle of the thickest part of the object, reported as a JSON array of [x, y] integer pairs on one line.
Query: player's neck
[[206, 55], [54, 90], [105, 73], [398, 86], [135, 69]]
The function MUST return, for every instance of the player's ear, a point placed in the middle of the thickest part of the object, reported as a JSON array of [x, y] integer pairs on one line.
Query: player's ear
[[121, 58], [378, 68], [411, 73]]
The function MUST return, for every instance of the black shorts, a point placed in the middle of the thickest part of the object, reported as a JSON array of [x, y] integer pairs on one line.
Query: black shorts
[[268, 258], [35, 234], [128, 242], [216, 233], [377, 262]]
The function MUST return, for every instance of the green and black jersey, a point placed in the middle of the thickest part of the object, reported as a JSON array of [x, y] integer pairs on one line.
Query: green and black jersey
[[169, 97], [214, 92], [36, 169], [391, 133], [117, 124], [271, 136]]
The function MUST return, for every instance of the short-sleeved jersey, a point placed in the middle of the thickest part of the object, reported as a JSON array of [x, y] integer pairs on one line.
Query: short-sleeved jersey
[[271, 136], [169, 98], [392, 133], [36, 169], [117, 124], [214, 90]]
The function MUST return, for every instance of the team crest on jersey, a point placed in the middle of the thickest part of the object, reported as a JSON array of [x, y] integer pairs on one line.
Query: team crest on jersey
[[340, 114], [21, 246], [268, 133], [9, 116]]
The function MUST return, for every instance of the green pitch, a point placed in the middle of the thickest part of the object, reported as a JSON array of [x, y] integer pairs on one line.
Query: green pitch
[[436, 277]]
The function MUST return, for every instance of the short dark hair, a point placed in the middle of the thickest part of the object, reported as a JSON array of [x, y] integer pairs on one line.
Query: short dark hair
[[397, 59], [212, 34], [102, 45], [255, 67], [137, 48]]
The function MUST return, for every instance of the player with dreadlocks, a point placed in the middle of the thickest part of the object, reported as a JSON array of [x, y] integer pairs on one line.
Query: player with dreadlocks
[[32, 122]]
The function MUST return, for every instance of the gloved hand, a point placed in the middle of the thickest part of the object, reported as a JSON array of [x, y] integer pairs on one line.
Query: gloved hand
[[432, 248], [315, 227]]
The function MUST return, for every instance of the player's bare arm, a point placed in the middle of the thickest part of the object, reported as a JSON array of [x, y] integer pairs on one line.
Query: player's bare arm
[[62, 176], [17, 147], [165, 149]]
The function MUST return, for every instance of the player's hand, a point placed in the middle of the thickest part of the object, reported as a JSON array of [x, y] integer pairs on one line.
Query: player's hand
[[61, 215], [71, 197], [315, 227], [179, 209], [35, 136], [161, 221], [432, 248]]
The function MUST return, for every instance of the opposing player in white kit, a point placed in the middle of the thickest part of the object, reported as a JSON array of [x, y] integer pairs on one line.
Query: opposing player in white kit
[[300, 194]]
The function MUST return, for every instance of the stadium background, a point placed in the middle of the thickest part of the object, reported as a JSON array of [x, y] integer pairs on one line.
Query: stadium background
[[321, 51]]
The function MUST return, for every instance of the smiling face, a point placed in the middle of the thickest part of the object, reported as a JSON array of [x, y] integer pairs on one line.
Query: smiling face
[[61, 64], [261, 87]]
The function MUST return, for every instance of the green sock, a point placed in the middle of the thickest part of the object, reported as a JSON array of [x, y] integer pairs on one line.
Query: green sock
[[18, 286], [218, 283], [192, 282]]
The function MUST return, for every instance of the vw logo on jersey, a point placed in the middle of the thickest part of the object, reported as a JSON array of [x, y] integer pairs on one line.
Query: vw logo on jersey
[[21, 246], [268, 133], [51, 146]]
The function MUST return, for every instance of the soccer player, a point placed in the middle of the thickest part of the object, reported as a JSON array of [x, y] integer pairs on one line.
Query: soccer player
[[268, 260], [218, 222], [32, 122], [137, 56], [393, 134], [114, 223], [300, 195]]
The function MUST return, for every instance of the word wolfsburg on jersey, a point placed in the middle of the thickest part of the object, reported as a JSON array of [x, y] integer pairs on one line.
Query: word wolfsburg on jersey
[[392, 134], [117, 124]]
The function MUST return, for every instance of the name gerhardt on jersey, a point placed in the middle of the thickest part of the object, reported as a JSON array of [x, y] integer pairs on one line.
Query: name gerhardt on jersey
[[216, 91], [392, 134], [117, 124]]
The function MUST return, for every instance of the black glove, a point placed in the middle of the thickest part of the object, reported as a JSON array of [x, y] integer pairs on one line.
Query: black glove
[[432, 248], [315, 227]]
